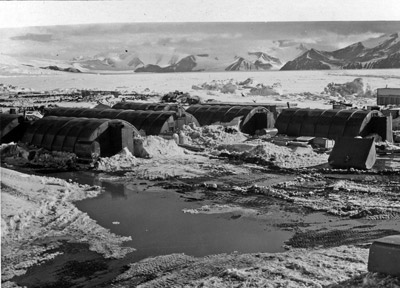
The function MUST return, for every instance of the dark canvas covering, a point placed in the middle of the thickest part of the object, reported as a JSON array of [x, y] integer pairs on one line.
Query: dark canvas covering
[[151, 122], [12, 126], [82, 136], [181, 118], [276, 108], [148, 106], [331, 124]]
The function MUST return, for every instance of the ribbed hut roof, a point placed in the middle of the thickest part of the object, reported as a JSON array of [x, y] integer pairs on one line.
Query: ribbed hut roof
[[330, 124], [147, 106], [65, 133], [273, 107], [210, 114], [152, 122]]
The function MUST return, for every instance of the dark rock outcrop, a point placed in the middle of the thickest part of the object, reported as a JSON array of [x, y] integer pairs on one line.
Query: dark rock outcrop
[[56, 68], [186, 64]]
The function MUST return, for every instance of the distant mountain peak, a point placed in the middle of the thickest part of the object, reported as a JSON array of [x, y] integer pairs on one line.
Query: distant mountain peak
[[358, 44], [240, 64], [257, 61], [354, 56]]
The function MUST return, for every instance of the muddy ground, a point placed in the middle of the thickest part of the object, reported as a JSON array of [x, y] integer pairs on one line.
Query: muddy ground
[[334, 216]]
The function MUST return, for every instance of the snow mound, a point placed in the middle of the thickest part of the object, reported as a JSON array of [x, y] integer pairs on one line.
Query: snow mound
[[355, 87], [124, 160], [264, 90], [212, 135], [157, 146], [281, 156]]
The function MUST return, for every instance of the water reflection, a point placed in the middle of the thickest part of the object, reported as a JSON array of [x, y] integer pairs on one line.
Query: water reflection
[[153, 217], [116, 190]]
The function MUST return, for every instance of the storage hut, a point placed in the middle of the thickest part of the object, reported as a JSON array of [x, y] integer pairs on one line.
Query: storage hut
[[331, 124], [388, 96], [12, 127], [252, 118], [82, 136], [276, 108], [149, 106], [148, 122], [182, 117]]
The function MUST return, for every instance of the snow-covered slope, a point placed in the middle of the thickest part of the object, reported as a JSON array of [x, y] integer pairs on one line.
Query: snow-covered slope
[[254, 61], [12, 65], [386, 54], [186, 63], [240, 64], [110, 61]]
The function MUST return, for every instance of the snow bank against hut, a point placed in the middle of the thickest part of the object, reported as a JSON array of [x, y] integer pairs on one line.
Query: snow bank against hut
[[156, 146], [122, 161], [212, 135]]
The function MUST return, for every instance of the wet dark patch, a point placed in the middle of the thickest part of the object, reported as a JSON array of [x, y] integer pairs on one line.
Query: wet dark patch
[[76, 267], [333, 238], [292, 225]]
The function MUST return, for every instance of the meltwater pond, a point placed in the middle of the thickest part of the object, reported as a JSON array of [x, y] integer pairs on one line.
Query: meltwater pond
[[153, 217]]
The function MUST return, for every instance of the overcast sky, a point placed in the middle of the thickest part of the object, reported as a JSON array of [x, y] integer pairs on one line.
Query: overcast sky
[[227, 27], [42, 13]]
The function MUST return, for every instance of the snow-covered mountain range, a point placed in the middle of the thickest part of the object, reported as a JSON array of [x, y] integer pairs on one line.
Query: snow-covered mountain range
[[255, 61], [379, 53], [385, 53]]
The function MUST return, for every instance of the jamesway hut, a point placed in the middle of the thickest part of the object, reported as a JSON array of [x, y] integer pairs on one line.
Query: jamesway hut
[[147, 122], [250, 118], [82, 136], [181, 117], [333, 123]]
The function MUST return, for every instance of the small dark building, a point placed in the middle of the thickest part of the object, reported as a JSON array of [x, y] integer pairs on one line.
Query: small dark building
[[82, 136], [388, 96]]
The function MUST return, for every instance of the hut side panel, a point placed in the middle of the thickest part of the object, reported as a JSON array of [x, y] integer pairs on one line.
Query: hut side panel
[[284, 119], [151, 122], [12, 127], [148, 106], [330, 124], [85, 137]]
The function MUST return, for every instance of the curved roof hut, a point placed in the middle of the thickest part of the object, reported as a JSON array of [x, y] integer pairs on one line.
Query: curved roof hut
[[252, 118], [149, 106], [332, 124], [276, 108], [12, 127], [82, 136], [182, 116], [149, 122]]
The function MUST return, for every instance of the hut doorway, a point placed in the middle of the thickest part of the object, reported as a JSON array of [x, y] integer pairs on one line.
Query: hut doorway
[[120, 136]]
